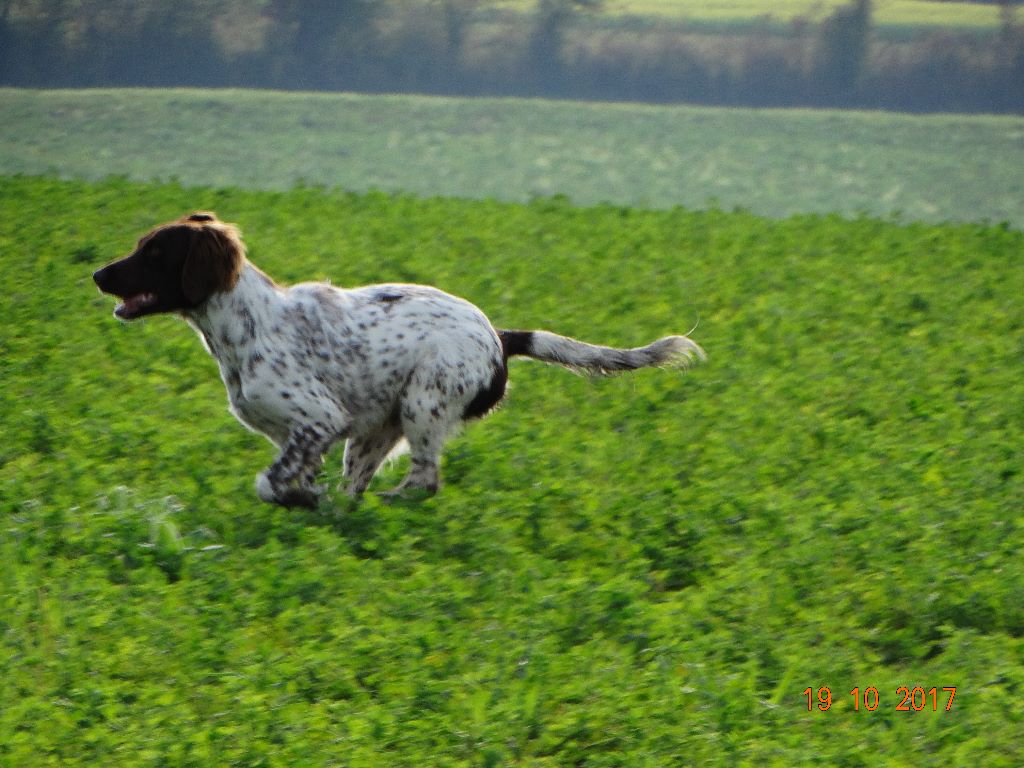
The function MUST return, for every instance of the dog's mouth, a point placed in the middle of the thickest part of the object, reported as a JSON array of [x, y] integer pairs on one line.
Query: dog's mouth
[[135, 306]]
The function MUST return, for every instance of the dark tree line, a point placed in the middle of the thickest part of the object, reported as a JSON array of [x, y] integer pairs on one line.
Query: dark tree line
[[466, 47]]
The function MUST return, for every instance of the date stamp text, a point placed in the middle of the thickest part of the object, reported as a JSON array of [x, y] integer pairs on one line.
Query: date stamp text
[[907, 699]]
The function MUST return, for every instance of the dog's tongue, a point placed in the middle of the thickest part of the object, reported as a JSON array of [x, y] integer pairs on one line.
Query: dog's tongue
[[134, 305]]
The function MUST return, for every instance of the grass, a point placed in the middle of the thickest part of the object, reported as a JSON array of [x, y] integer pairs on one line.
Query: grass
[[642, 571], [771, 162], [900, 13]]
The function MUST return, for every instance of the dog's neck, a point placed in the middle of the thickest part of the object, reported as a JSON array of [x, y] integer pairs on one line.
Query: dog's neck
[[231, 322]]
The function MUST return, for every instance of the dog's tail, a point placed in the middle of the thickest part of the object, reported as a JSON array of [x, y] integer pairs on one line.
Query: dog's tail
[[674, 351]]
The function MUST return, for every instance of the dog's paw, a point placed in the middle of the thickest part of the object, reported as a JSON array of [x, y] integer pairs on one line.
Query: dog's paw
[[292, 496], [306, 498]]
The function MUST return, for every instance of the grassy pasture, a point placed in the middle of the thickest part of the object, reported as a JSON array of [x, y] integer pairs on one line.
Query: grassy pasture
[[642, 571], [771, 162], [901, 13]]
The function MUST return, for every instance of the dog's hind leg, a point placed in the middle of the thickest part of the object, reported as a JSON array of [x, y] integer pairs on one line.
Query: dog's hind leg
[[363, 455], [427, 417]]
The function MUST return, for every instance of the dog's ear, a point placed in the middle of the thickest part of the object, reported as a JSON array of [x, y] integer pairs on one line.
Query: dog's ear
[[215, 258]]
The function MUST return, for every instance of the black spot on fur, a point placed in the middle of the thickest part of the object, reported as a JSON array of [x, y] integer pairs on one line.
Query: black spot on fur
[[388, 299], [248, 325], [279, 366], [488, 397], [254, 360], [516, 342]]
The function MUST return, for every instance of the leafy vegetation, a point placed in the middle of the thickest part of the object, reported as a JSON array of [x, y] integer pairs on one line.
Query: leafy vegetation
[[772, 162], [642, 571]]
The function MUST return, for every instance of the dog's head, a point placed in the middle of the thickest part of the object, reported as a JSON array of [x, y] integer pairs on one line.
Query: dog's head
[[175, 267]]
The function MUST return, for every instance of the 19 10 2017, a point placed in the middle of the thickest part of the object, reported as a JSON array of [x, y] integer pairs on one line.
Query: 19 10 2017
[[908, 699]]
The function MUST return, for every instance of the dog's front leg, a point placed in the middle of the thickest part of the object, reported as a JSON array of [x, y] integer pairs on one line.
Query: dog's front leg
[[289, 480]]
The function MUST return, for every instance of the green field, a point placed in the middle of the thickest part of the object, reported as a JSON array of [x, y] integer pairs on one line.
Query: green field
[[772, 162], [904, 13], [641, 571]]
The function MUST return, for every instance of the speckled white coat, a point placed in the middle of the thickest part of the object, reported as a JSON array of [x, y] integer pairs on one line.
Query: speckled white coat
[[311, 364]]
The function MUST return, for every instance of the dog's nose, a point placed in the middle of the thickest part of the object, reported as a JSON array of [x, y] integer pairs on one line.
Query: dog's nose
[[99, 276]]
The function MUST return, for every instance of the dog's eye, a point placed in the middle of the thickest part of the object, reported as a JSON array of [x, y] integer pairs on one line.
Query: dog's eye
[[159, 258]]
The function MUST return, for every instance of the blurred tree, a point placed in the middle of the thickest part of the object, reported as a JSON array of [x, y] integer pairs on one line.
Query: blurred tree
[[169, 44], [842, 48], [6, 41], [457, 14], [1011, 56], [323, 42], [30, 30], [544, 51]]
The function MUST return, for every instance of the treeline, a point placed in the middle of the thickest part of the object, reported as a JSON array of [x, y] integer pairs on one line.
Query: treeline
[[468, 47]]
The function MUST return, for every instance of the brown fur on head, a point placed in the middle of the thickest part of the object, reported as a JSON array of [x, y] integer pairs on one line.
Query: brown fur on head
[[215, 261], [175, 267]]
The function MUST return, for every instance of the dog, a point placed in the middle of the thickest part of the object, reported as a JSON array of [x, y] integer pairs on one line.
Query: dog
[[312, 364]]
